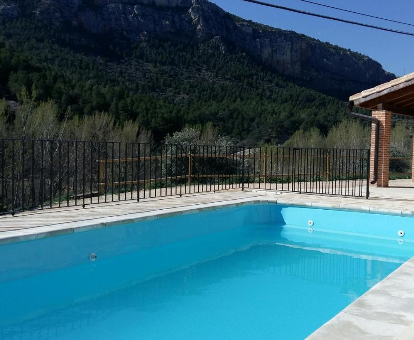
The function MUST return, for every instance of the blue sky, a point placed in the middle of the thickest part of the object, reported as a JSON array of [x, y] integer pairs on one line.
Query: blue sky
[[395, 52]]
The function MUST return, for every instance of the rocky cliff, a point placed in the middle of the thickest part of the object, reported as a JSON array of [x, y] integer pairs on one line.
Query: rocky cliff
[[307, 61]]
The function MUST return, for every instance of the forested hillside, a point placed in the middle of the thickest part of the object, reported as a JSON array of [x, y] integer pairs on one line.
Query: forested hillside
[[160, 85]]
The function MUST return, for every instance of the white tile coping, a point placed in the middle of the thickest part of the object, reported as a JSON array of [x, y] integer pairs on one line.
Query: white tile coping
[[96, 223], [159, 211], [386, 311]]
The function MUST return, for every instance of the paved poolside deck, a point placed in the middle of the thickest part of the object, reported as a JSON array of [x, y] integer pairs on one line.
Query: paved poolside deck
[[384, 312]]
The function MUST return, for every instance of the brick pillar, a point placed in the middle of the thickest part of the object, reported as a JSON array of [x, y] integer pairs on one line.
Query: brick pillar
[[384, 147], [412, 164]]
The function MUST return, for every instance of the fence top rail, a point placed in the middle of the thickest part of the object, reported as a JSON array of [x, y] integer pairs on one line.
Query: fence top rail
[[184, 146]]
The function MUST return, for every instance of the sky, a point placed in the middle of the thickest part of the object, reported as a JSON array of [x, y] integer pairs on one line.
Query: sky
[[393, 51]]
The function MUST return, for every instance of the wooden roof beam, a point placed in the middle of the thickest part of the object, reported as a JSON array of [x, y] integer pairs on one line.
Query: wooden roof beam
[[385, 96], [395, 109], [398, 101], [408, 103]]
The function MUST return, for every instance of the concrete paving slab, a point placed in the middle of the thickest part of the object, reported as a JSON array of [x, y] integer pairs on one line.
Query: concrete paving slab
[[348, 326]]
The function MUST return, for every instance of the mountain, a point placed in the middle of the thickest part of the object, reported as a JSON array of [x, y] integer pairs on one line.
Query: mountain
[[167, 63], [318, 65]]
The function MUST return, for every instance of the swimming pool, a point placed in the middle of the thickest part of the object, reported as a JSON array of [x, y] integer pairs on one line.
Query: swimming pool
[[263, 271]]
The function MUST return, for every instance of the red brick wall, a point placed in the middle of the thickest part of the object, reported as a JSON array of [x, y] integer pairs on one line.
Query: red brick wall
[[384, 147]]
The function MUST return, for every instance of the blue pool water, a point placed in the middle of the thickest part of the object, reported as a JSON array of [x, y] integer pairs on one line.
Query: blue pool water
[[248, 272]]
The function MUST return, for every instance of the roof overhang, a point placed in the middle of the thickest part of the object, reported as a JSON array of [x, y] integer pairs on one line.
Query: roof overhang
[[396, 96]]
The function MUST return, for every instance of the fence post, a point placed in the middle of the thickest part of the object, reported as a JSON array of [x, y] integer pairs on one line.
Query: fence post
[[368, 172]]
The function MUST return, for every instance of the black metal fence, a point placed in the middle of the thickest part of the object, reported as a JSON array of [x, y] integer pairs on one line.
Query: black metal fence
[[37, 174]]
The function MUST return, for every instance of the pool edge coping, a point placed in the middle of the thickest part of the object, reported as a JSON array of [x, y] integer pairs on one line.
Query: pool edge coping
[[345, 324], [64, 228]]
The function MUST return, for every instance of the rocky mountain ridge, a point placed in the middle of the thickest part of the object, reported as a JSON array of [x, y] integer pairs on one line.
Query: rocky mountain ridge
[[306, 61]]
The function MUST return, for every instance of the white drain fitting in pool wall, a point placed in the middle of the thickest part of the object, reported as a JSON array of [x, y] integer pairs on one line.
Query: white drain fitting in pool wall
[[310, 223], [401, 233], [93, 257]]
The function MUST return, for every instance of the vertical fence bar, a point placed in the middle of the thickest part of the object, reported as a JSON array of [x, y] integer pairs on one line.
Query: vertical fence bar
[[312, 170], [171, 171], [283, 168], [125, 170], [33, 193], [354, 172], [222, 167], [22, 144], [293, 170], [76, 173], [91, 171], [112, 171], [51, 173], [131, 184], [42, 178], [176, 169], [119, 171], [243, 165], [156, 159], [228, 168], [260, 166], [100, 171], [277, 168], [13, 170], [106, 171], [3, 177], [216, 173], [190, 170], [68, 174], [166, 170], [183, 173], [347, 172], [138, 171], [198, 168], [145, 169], [307, 175], [60, 171], [367, 174], [290, 179], [150, 171], [83, 173], [186, 155], [265, 168], [271, 168], [248, 166]]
